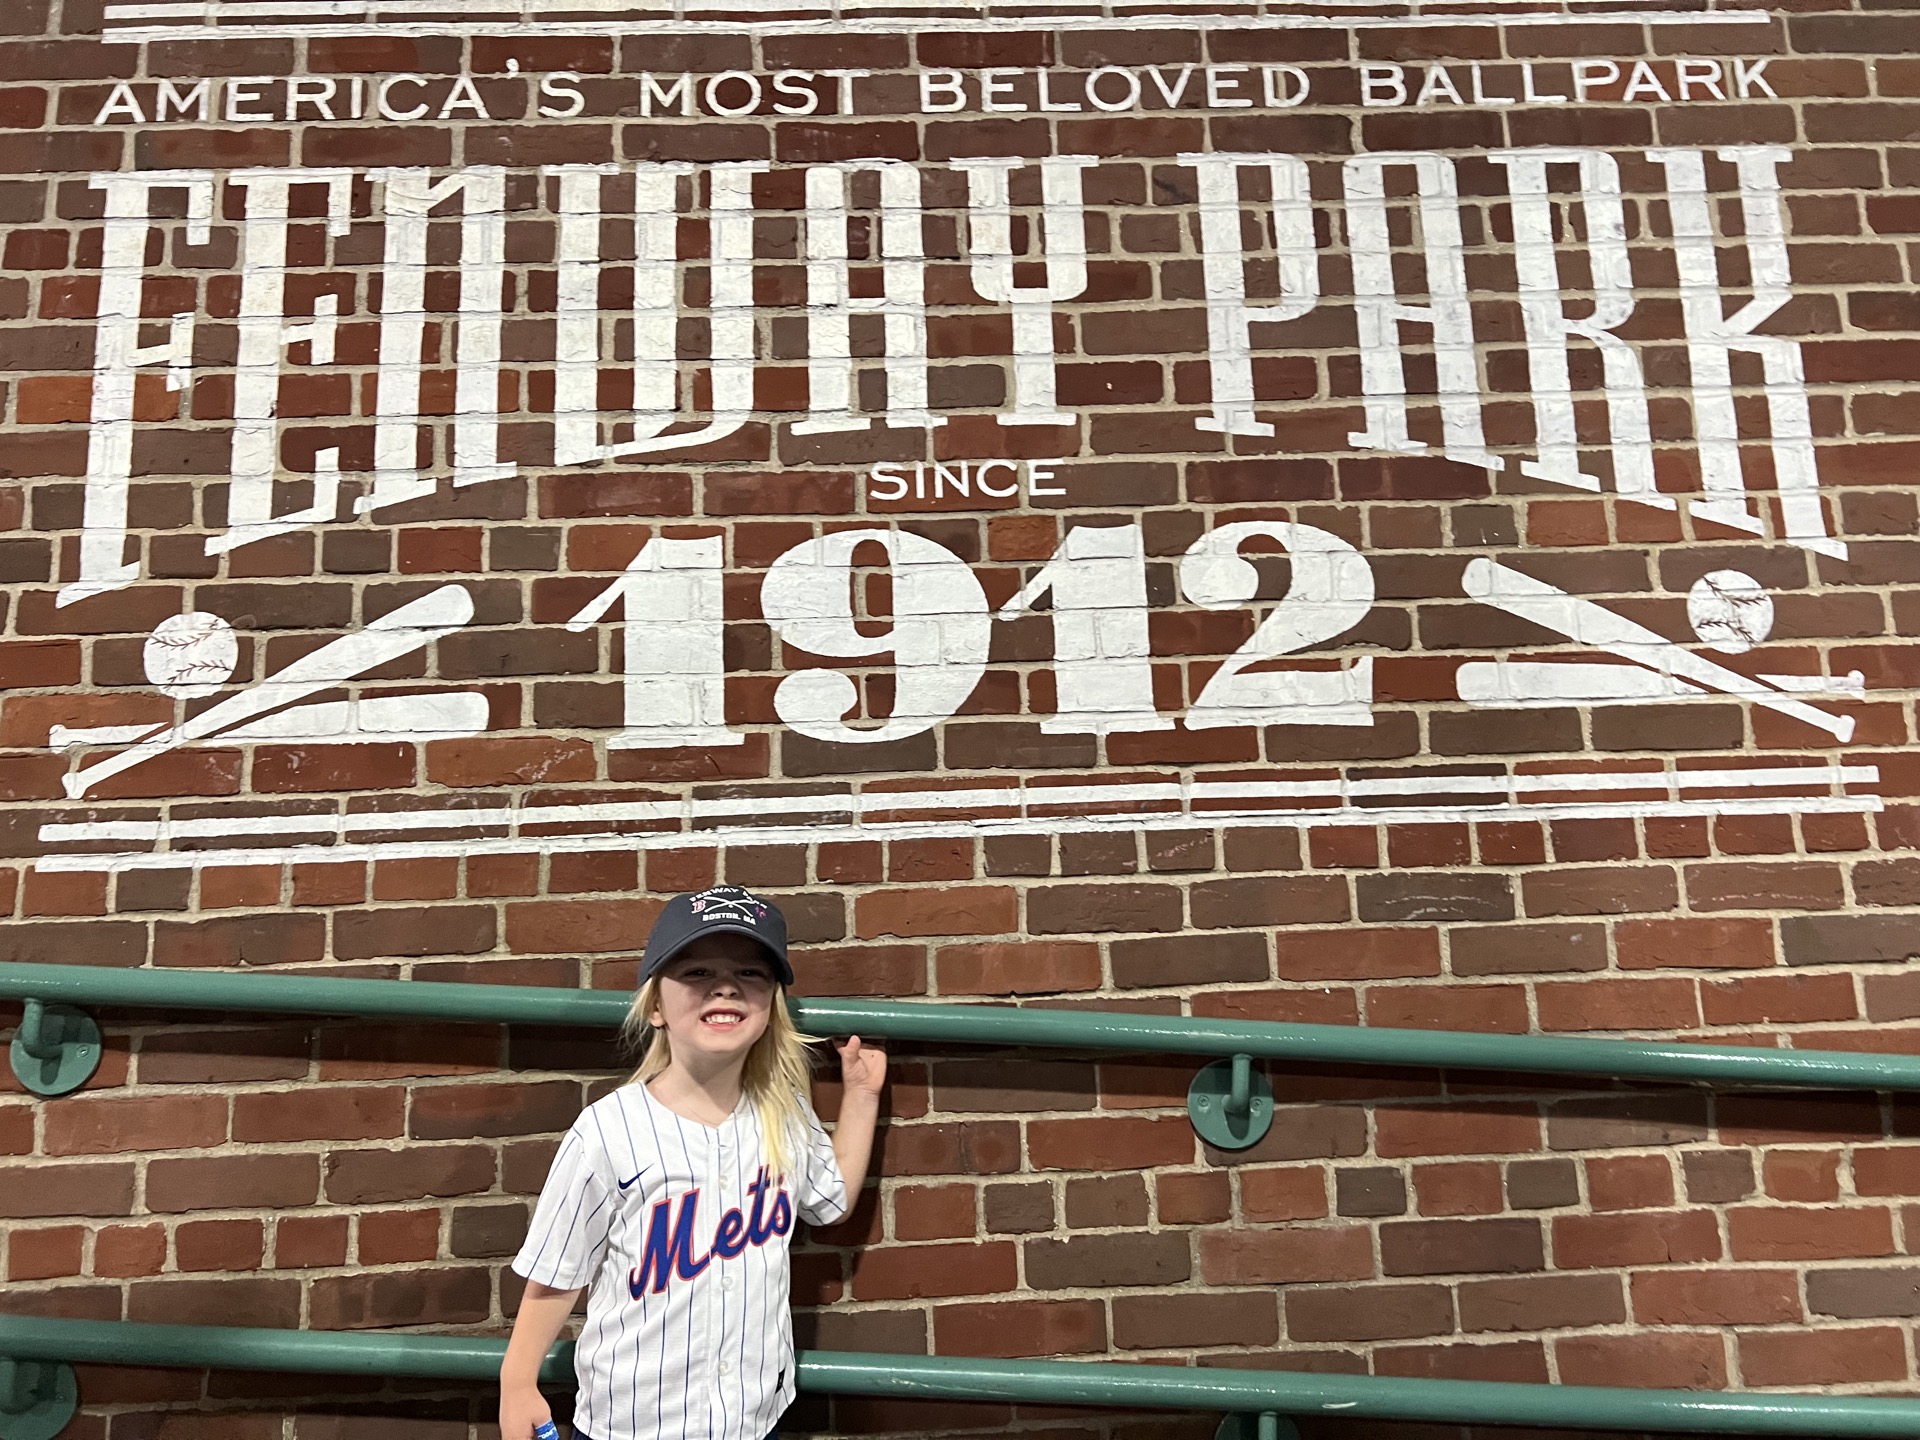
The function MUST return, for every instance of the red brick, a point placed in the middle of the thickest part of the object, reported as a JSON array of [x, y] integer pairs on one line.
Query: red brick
[[246, 1300], [327, 1113], [972, 1147], [1192, 1322], [1109, 1144], [1658, 1361], [954, 910], [454, 1112], [1629, 1182], [424, 878], [1356, 953], [44, 1253], [1838, 1357], [1289, 1256], [239, 887], [123, 1251], [1474, 1129], [394, 1237], [509, 760], [1448, 1247], [219, 1244], [1482, 1009], [1541, 1302], [425, 930], [302, 1241], [934, 1212], [1019, 968], [1203, 1198], [1370, 1312], [1777, 999], [358, 1177], [1693, 944], [1808, 1232], [1291, 1192], [82, 1188], [1886, 1169], [562, 927], [1716, 1297], [417, 1295], [1618, 1005], [111, 1125], [1806, 1176], [1802, 1118], [1596, 1242], [1467, 1189], [1803, 886], [1076, 909], [1021, 1328], [232, 1182]]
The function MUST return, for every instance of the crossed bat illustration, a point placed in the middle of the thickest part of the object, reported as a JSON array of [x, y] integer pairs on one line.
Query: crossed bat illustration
[[400, 632], [1672, 671]]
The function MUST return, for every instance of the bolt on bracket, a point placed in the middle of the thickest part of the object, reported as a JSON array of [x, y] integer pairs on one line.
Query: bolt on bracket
[[1230, 1104]]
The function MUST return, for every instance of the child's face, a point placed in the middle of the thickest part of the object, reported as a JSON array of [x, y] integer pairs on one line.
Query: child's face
[[716, 997]]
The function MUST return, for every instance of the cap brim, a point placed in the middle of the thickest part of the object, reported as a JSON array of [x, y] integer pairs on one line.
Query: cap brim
[[782, 967]]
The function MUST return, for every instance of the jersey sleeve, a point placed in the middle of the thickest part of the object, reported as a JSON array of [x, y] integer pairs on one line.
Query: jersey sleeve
[[823, 1194], [568, 1237]]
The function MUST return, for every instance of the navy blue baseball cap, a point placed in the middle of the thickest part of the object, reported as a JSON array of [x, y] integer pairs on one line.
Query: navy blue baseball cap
[[723, 909]]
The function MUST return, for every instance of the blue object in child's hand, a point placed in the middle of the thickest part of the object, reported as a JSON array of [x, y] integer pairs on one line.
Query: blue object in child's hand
[[546, 1432]]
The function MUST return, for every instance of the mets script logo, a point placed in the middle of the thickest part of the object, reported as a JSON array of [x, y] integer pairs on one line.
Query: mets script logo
[[669, 1247]]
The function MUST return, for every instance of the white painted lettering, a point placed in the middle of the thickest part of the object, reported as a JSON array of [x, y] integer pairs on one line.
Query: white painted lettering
[[1380, 312], [383, 98], [990, 228], [561, 97], [949, 85], [798, 97], [1230, 319], [996, 90], [194, 104], [1382, 85], [247, 90], [1219, 79], [679, 93]]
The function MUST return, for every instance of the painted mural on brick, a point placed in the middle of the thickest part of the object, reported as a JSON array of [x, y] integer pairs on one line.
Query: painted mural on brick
[[1394, 513], [545, 431]]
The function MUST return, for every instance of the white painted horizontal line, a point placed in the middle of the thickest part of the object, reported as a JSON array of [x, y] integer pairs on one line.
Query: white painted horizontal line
[[930, 829], [1216, 795], [119, 32]]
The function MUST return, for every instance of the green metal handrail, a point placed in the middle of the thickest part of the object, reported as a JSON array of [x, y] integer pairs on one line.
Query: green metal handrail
[[1050, 1382], [977, 1024]]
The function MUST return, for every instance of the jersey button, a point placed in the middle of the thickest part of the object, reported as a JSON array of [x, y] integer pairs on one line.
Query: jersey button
[[726, 1367], [726, 1282]]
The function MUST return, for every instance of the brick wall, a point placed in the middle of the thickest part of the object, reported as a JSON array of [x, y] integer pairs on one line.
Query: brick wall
[[1412, 810]]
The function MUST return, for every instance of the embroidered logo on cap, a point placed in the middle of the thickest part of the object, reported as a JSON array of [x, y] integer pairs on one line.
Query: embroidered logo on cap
[[728, 902]]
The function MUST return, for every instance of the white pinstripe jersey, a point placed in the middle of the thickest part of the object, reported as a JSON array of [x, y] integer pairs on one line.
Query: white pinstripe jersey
[[680, 1232]]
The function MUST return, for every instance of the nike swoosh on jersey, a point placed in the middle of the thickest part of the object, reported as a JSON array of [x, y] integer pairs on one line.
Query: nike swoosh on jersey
[[636, 1180]]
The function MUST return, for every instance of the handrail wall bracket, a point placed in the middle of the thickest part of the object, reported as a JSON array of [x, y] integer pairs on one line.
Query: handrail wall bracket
[[37, 1398], [55, 1052], [1230, 1104], [1264, 1425]]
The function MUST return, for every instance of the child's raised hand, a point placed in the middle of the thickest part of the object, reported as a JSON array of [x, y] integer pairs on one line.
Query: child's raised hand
[[863, 1066]]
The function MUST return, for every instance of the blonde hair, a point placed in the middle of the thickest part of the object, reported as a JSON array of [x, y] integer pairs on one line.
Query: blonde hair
[[775, 1077]]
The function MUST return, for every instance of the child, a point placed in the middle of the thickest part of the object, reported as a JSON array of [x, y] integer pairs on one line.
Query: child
[[672, 1200]]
